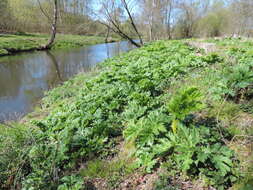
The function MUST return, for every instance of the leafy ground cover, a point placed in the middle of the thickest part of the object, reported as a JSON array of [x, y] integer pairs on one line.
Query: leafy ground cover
[[9, 42], [160, 117]]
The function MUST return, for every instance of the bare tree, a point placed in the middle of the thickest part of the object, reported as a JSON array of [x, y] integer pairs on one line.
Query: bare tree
[[53, 25], [132, 21], [169, 8], [151, 5], [148, 16], [157, 18], [242, 14], [190, 12], [113, 12], [4, 15]]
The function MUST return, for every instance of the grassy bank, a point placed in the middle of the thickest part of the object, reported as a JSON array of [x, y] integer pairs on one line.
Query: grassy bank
[[24, 42], [165, 116]]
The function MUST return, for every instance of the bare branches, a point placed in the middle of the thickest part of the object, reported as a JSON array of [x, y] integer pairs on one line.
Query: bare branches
[[116, 29], [113, 19], [43, 11], [53, 27], [132, 21]]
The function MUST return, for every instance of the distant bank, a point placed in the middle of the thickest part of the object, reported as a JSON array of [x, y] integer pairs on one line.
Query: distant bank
[[15, 43]]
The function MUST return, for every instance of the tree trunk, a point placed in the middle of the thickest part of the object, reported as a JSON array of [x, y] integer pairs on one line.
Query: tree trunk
[[150, 32], [151, 36], [132, 22], [53, 27], [169, 20], [107, 34]]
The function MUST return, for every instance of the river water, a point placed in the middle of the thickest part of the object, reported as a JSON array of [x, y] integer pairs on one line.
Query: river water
[[25, 77]]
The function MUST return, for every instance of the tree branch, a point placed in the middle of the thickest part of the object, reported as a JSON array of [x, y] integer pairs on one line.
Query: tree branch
[[43, 12], [132, 21]]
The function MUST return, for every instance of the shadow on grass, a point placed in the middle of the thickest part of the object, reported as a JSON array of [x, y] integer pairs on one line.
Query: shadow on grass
[[6, 36]]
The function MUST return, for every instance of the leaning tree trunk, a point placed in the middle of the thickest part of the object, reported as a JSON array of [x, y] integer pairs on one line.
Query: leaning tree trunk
[[132, 22], [53, 27], [115, 26]]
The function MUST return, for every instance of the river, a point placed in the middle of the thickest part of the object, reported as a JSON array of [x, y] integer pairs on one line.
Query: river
[[25, 77]]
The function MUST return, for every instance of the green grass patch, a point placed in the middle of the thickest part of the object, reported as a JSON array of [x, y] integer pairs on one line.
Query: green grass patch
[[24, 42]]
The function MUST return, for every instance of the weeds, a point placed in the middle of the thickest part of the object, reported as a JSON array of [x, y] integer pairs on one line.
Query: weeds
[[134, 96]]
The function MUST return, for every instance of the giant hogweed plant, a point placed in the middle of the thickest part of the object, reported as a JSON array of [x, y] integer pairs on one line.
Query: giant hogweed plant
[[186, 101], [239, 81], [127, 96], [232, 82], [193, 151], [85, 127]]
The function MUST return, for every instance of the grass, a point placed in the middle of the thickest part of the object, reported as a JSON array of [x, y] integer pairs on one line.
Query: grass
[[117, 125], [24, 42]]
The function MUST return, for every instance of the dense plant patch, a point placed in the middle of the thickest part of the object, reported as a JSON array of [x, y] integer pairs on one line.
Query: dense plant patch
[[144, 102]]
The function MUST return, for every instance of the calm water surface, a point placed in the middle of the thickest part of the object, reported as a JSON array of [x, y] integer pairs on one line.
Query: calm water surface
[[25, 77]]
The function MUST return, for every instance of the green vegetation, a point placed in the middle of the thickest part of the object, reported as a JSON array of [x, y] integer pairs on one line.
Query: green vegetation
[[13, 43], [161, 109]]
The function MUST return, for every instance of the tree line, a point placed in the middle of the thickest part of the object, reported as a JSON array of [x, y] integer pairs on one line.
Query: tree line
[[130, 19]]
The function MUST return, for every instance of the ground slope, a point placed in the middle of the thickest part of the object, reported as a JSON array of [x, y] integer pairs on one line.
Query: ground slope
[[165, 116]]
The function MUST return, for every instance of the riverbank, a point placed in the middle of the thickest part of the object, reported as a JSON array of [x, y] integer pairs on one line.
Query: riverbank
[[10, 43], [43, 70], [167, 115]]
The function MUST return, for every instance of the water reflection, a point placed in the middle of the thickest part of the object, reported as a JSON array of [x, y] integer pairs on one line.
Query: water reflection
[[25, 77], [55, 63]]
